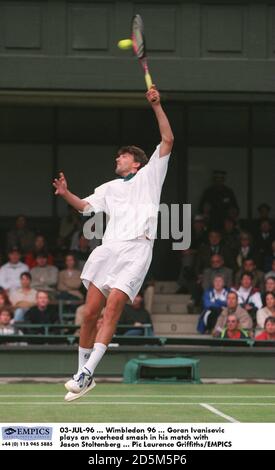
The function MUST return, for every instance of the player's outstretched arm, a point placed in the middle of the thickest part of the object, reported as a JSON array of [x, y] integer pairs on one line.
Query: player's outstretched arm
[[61, 189], [167, 138]]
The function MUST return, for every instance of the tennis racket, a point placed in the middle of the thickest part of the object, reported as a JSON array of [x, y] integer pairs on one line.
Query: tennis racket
[[139, 47]]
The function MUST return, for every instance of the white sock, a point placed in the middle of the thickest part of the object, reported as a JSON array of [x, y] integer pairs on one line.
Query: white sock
[[95, 357], [83, 356]]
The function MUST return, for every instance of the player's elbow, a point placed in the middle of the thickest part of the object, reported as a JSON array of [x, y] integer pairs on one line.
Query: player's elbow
[[168, 141]]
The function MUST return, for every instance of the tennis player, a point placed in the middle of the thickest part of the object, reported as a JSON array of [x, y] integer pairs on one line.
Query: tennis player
[[115, 271]]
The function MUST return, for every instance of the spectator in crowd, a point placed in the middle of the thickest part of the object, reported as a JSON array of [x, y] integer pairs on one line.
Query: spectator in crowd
[[214, 300], [82, 252], [271, 274], [245, 250], [248, 296], [232, 307], [215, 246], [269, 287], [23, 298], [267, 311], [231, 239], [218, 197], [269, 263], [232, 329], [135, 316], [263, 214], [6, 325], [250, 267], [69, 281], [39, 245], [269, 330], [4, 300], [20, 236], [10, 272], [187, 275], [216, 268], [93, 238], [44, 277], [233, 213], [41, 312], [263, 242]]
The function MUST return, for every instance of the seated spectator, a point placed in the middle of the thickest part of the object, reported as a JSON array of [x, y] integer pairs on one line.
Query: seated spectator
[[269, 286], [213, 301], [216, 268], [42, 312], [23, 298], [39, 245], [6, 325], [245, 250], [4, 300], [272, 272], [249, 266], [231, 238], [267, 311], [69, 281], [232, 329], [20, 236], [269, 330], [263, 242], [10, 272], [92, 238], [83, 251], [134, 315], [232, 307], [248, 296], [263, 214], [187, 275], [214, 246], [44, 277]]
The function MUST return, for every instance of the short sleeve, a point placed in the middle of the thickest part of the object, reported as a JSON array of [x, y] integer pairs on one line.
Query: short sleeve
[[96, 202], [156, 168]]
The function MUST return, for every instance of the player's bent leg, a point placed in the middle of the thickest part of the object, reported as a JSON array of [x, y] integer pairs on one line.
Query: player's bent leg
[[95, 302], [114, 306], [84, 382]]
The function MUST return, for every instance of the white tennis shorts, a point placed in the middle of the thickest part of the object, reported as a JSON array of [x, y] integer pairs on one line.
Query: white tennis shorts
[[118, 264]]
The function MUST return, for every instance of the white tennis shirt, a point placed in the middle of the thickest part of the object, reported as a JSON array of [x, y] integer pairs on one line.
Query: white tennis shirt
[[131, 205]]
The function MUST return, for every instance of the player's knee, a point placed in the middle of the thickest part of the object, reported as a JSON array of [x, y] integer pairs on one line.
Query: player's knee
[[90, 314], [111, 315]]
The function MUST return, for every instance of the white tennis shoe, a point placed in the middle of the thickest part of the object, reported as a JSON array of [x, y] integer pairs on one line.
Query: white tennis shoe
[[79, 386]]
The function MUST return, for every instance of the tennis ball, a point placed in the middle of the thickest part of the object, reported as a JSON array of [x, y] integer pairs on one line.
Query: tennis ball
[[125, 44]]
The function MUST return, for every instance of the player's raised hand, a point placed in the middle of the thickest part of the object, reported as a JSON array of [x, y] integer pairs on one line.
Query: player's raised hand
[[60, 185], [153, 95]]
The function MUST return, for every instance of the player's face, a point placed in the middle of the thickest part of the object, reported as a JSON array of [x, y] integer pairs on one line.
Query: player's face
[[125, 164]]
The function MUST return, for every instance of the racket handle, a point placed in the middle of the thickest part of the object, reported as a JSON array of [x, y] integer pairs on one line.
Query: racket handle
[[148, 80]]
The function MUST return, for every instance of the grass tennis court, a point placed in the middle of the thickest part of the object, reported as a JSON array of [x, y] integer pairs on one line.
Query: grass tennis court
[[34, 402]]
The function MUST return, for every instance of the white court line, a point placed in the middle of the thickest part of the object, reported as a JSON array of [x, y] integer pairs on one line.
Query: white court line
[[32, 403], [219, 413], [25, 395]]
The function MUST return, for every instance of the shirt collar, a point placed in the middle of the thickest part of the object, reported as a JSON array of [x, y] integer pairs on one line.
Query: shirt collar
[[128, 177]]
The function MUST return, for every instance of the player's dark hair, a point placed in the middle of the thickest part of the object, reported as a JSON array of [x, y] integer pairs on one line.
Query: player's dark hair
[[138, 154]]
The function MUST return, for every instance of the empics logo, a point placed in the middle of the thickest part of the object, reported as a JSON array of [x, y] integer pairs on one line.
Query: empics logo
[[24, 433], [9, 431]]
